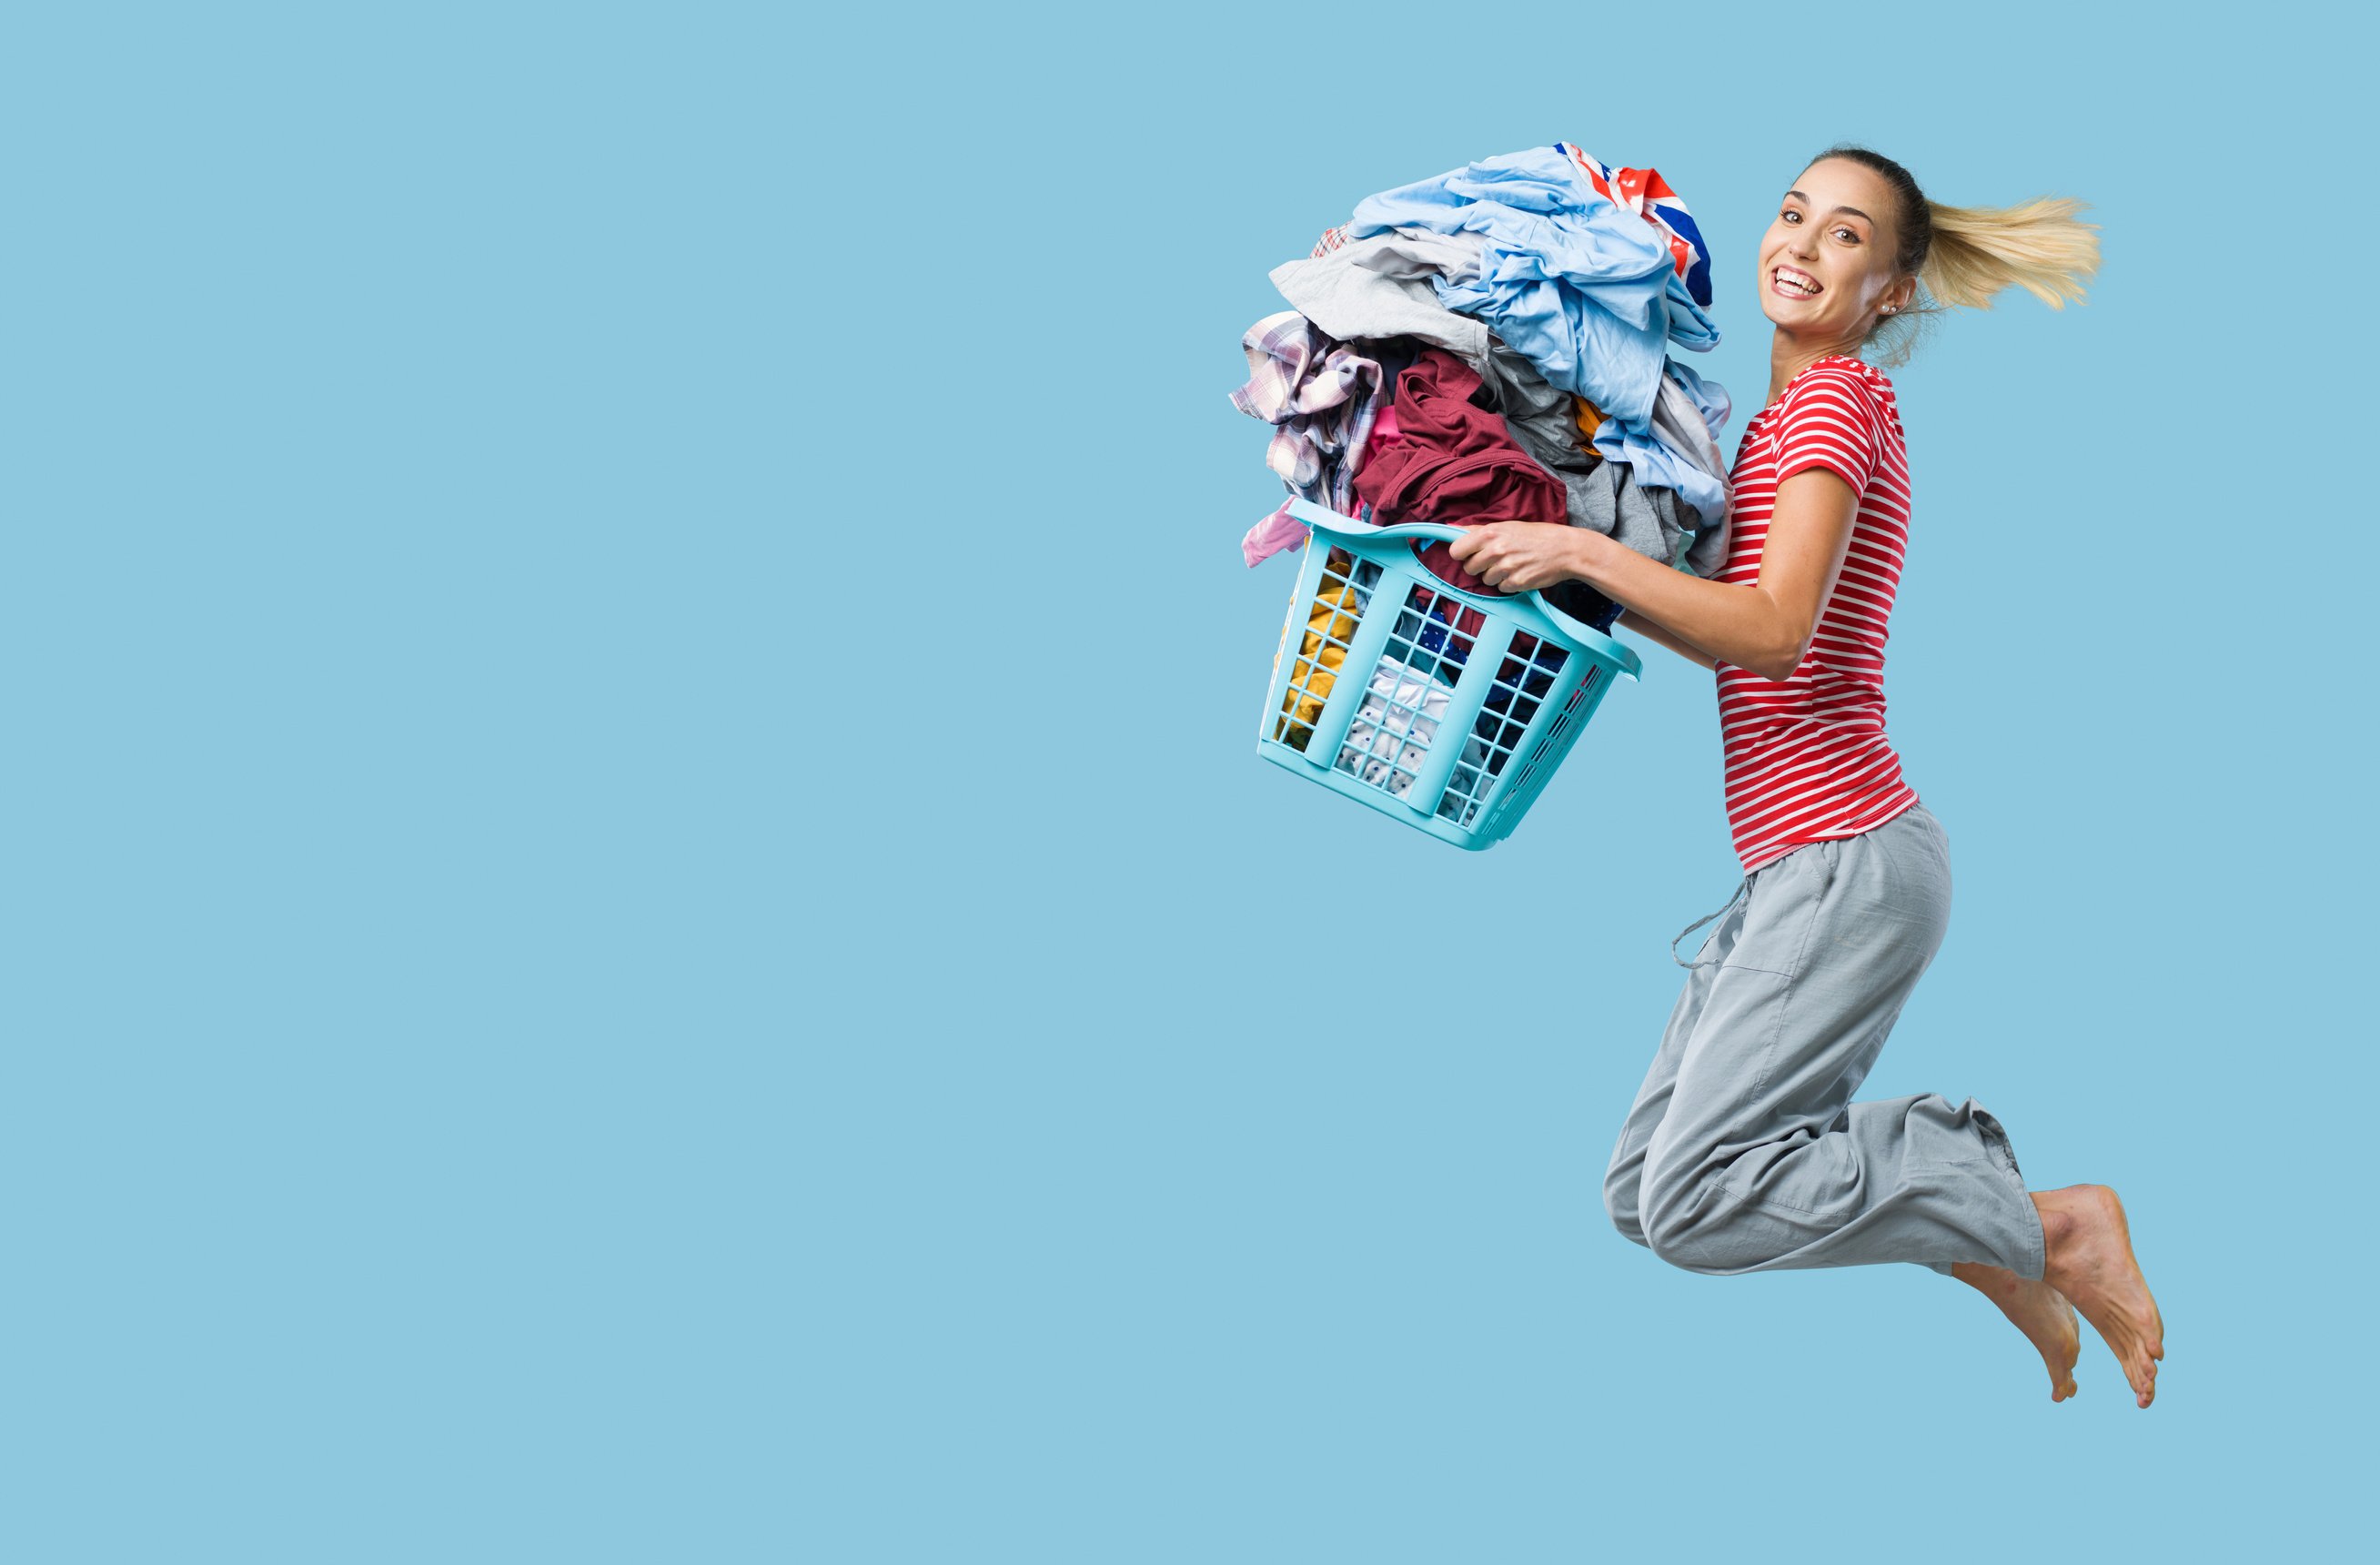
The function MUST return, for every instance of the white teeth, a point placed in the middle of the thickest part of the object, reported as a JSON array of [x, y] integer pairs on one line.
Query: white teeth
[[1796, 283]]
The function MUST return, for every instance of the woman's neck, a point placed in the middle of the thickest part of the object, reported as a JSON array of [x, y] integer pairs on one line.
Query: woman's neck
[[1790, 355]]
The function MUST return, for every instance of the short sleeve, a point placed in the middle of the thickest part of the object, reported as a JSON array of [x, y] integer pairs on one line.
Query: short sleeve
[[1828, 423]]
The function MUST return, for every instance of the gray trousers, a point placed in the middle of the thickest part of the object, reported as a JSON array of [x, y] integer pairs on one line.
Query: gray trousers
[[1744, 1151]]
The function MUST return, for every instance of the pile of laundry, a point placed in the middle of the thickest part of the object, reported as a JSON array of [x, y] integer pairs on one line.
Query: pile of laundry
[[1493, 343], [1488, 345]]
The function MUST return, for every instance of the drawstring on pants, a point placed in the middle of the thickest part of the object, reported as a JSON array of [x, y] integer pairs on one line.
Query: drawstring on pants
[[1706, 919]]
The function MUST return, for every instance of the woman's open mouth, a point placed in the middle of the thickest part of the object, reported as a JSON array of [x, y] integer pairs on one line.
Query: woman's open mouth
[[1793, 284]]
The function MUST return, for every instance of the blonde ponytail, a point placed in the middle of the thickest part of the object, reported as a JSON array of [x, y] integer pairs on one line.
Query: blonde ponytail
[[2036, 245]]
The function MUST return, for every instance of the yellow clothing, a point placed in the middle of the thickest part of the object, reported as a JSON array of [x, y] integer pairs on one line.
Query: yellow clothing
[[1589, 418], [1328, 627]]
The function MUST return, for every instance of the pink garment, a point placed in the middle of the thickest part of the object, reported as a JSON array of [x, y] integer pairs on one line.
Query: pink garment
[[1279, 531]]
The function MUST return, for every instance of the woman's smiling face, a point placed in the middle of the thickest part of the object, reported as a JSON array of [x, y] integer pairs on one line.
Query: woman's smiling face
[[1826, 262]]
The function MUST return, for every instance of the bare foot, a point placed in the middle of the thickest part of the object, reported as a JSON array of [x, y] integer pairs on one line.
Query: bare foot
[[2039, 1311], [2091, 1262]]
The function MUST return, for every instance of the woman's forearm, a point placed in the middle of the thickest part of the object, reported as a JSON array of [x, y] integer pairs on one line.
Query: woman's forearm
[[1635, 620], [1740, 624]]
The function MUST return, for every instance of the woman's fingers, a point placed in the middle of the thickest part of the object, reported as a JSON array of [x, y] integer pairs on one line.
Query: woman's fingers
[[1490, 561], [1488, 551], [1478, 535]]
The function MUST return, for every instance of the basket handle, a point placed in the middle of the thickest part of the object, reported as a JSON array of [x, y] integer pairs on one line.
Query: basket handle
[[1326, 520]]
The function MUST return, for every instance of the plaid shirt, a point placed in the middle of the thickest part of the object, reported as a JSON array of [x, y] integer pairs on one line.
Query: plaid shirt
[[1319, 393]]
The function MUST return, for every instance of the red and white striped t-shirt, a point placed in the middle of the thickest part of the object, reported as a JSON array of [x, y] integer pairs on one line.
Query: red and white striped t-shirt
[[1807, 759]]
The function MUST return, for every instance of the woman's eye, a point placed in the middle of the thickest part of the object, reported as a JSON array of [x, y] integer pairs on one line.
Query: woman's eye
[[1848, 233], [1790, 213]]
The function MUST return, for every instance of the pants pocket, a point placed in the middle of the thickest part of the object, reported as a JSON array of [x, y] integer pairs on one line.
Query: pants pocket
[[1781, 911]]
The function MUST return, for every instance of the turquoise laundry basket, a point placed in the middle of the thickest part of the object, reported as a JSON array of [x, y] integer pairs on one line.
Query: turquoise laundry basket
[[1385, 691]]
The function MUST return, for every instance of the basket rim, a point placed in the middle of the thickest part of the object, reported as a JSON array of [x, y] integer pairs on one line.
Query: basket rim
[[1378, 544]]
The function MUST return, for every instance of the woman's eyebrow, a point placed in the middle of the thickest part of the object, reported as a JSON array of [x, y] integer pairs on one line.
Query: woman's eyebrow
[[1853, 211]]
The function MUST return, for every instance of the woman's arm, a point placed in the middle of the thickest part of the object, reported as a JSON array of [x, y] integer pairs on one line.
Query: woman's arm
[[1634, 620], [1764, 629]]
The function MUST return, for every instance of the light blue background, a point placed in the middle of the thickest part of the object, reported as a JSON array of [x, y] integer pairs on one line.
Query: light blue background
[[642, 925]]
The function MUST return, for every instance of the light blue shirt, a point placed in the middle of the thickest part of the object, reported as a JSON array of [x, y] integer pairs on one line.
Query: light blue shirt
[[1584, 289], [1663, 461]]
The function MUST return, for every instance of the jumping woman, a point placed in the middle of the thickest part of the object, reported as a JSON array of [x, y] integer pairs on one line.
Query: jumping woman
[[1744, 1151]]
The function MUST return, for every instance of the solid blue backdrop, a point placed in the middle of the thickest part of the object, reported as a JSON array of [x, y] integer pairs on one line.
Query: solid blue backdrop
[[644, 922]]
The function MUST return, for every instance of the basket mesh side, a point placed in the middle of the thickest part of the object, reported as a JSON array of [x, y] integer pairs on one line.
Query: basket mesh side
[[1403, 694], [1526, 673], [1339, 602], [1407, 694], [1549, 744]]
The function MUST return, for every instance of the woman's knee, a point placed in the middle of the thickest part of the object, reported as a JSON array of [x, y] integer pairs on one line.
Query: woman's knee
[[1678, 1219], [1696, 1224], [1622, 1188], [1681, 1243]]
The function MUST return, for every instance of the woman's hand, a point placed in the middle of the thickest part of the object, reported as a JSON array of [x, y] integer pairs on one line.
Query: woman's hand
[[1520, 557]]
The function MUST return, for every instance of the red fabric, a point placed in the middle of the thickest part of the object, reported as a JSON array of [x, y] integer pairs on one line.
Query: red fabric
[[1451, 463], [1807, 760]]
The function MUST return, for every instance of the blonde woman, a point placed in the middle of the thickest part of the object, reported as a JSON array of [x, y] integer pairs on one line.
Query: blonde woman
[[1744, 1151]]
